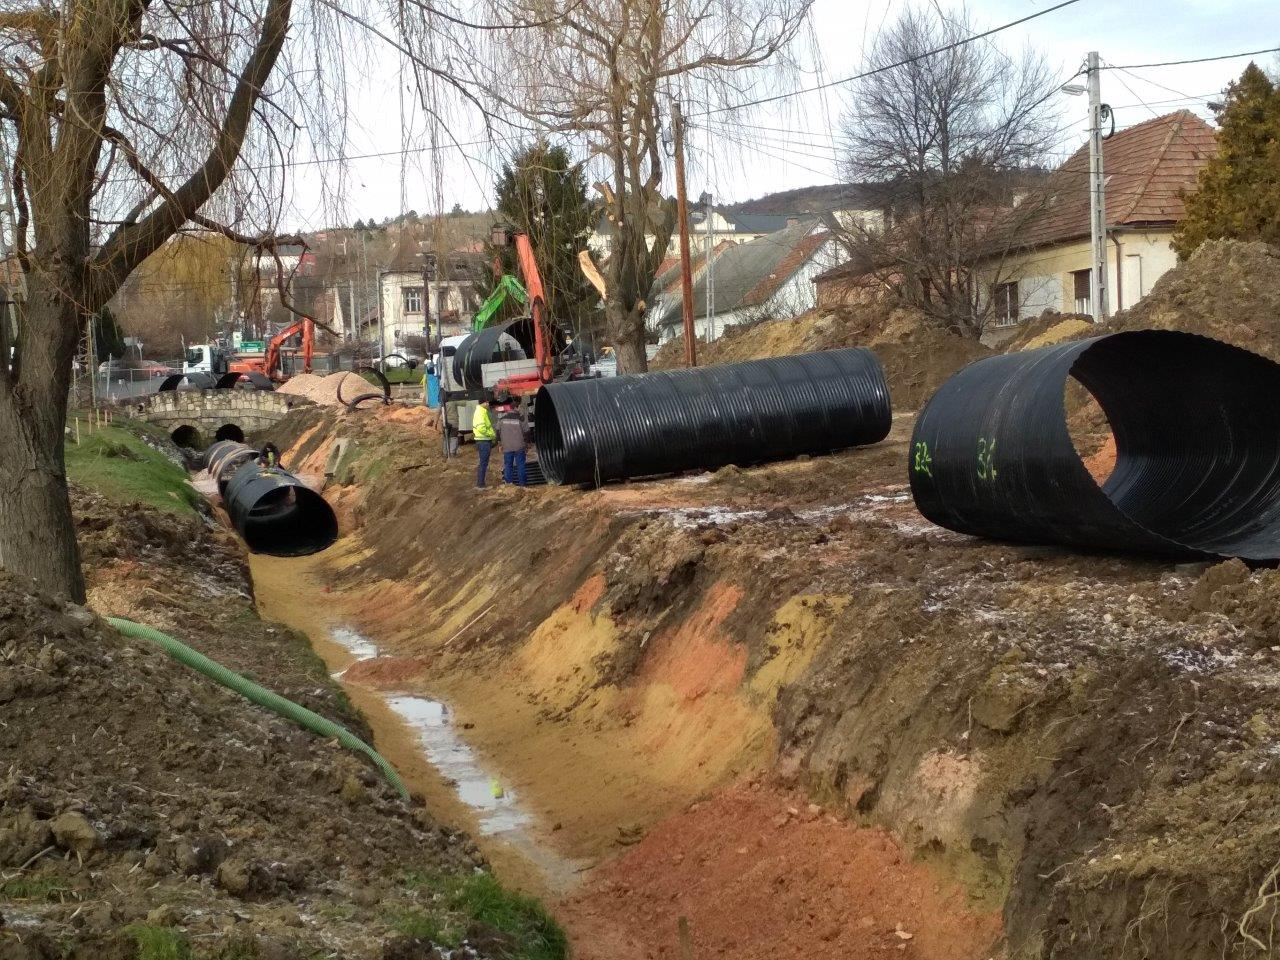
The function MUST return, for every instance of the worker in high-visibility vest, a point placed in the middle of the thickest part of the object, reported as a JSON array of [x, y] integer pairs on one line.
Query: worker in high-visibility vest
[[483, 433]]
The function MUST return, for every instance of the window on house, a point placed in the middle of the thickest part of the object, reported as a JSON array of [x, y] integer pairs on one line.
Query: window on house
[[412, 299], [1004, 301], [1080, 282]]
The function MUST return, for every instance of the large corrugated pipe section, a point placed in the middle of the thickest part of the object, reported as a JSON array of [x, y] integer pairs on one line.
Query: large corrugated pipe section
[[270, 508], [615, 428], [1197, 435], [263, 697]]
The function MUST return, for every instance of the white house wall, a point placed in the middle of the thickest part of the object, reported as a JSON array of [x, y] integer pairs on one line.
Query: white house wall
[[397, 324], [1044, 276]]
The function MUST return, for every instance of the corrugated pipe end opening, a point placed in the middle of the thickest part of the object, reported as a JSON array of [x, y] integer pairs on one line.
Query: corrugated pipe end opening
[[548, 437], [290, 521], [1195, 467], [1197, 438]]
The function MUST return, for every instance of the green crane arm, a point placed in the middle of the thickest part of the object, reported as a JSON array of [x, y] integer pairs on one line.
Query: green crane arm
[[508, 286]]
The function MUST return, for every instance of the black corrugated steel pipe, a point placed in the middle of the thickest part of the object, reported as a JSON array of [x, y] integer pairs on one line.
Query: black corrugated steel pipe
[[271, 509], [1197, 433], [614, 428]]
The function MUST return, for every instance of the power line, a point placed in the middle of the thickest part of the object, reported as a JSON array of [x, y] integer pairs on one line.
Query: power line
[[890, 66], [1178, 63]]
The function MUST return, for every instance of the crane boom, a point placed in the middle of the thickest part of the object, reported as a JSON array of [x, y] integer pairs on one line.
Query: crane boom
[[537, 307]]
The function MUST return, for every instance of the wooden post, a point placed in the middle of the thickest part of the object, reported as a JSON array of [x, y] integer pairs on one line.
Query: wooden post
[[686, 270]]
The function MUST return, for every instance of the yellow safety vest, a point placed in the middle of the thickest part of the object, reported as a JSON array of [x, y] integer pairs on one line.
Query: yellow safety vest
[[482, 424]]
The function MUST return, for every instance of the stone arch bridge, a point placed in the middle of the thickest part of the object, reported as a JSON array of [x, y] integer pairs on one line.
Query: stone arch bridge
[[197, 418]]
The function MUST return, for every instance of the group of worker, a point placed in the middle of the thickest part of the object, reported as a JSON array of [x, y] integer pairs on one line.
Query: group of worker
[[511, 432]]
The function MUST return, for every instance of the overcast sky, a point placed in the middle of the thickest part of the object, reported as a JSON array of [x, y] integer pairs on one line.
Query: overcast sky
[[797, 144]]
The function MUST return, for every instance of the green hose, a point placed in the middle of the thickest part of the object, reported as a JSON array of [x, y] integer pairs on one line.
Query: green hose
[[260, 695]]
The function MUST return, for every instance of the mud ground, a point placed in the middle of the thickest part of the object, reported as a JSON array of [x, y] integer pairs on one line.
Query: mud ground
[[143, 807], [1084, 743]]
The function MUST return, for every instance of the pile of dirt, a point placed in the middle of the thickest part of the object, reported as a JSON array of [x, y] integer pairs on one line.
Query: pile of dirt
[[758, 873], [138, 792], [324, 390], [146, 811], [916, 355], [1227, 289]]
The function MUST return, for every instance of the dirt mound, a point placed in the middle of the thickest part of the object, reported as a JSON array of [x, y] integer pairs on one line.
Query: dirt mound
[[917, 357], [324, 390], [760, 873], [1228, 289], [1047, 329], [136, 788]]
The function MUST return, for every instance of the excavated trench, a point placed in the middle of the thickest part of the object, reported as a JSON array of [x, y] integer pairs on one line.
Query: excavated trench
[[779, 704]]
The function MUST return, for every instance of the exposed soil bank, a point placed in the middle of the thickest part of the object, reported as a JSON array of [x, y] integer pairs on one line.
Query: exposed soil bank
[[1085, 743], [287, 591], [148, 812]]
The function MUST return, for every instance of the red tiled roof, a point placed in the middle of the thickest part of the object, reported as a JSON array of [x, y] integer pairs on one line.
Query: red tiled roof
[[670, 282], [1147, 166], [796, 257]]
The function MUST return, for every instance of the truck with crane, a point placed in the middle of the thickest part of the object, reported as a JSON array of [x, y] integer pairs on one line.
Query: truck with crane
[[514, 358]]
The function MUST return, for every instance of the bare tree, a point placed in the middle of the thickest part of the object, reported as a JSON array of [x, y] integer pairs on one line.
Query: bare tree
[[125, 122], [603, 73], [951, 142]]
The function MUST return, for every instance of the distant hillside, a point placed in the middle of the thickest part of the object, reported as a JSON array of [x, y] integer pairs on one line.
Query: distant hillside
[[852, 196], [819, 199]]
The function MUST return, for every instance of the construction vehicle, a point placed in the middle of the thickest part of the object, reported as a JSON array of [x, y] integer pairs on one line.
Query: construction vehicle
[[514, 358], [269, 364], [216, 360], [210, 358]]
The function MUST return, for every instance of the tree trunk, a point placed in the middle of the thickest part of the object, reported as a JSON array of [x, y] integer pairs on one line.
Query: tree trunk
[[626, 331], [37, 533]]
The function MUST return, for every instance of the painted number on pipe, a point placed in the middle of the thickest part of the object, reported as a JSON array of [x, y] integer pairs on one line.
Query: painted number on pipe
[[923, 461], [986, 454]]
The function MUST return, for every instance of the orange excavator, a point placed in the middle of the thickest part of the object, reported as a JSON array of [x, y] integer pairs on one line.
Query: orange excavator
[[269, 363]]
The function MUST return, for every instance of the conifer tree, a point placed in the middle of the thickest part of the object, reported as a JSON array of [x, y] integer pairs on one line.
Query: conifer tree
[[1237, 195]]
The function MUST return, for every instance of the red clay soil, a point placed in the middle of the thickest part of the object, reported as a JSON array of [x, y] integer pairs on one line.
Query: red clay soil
[[759, 873]]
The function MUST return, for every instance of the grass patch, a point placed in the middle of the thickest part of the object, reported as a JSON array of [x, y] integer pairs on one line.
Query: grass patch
[[397, 375], [480, 899], [31, 888], [425, 926], [113, 461], [159, 943]]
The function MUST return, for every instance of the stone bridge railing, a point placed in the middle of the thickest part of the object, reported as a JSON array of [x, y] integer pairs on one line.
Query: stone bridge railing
[[195, 418]]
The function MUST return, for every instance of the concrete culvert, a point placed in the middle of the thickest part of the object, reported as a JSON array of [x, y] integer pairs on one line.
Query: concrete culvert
[[229, 431], [188, 436]]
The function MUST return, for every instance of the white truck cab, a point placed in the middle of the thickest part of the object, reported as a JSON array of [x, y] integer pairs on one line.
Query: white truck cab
[[204, 358]]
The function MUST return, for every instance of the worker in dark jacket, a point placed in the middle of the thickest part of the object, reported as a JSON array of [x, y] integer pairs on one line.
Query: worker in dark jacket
[[511, 434]]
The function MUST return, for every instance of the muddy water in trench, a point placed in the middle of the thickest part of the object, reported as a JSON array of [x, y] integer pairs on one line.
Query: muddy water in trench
[[417, 734]]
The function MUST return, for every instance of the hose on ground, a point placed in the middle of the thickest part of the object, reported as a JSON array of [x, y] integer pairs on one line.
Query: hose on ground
[[308, 719]]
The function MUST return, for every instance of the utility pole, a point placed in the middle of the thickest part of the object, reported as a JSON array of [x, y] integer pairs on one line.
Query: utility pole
[[382, 330], [1097, 193], [349, 327], [430, 264], [686, 270], [709, 282]]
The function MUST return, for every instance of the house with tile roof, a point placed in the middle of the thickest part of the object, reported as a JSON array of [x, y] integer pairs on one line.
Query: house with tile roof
[[1041, 252], [1148, 168], [771, 276]]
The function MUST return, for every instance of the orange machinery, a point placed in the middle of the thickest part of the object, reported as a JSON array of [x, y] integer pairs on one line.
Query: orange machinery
[[526, 384], [269, 364]]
